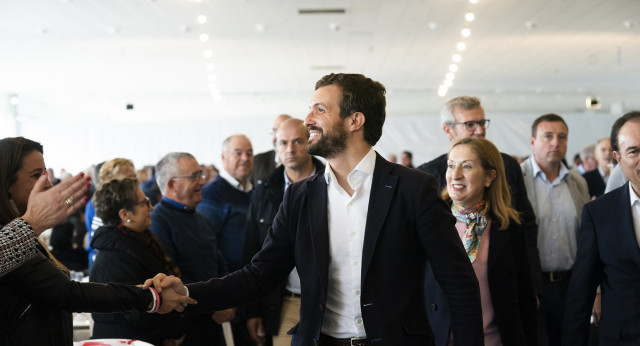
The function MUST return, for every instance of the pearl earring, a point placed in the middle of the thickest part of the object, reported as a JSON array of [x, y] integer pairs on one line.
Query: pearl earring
[[128, 220]]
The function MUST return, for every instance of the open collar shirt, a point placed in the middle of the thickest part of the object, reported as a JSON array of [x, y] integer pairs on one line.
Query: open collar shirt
[[557, 220], [233, 182], [347, 218]]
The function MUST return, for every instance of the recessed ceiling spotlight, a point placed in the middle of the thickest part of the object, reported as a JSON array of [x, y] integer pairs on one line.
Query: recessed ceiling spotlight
[[465, 32], [14, 100], [530, 25], [473, 1], [448, 83], [432, 25], [213, 86], [204, 37], [442, 91], [207, 53], [211, 66], [469, 17], [334, 26], [453, 68], [629, 24], [259, 27], [212, 78], [461, 46], [202, 19], [451, 76], [456, 58]]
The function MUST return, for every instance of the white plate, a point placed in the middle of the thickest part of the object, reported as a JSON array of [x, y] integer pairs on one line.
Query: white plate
[[111, 342]]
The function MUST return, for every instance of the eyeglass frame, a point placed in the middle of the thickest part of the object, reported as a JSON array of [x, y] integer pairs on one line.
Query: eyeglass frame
[[199, 174], [145, 200], [482, 123]]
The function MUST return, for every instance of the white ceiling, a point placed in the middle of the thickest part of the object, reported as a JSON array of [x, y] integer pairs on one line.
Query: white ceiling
[[86, 59]]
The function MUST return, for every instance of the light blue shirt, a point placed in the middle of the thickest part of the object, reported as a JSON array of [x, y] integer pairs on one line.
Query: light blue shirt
[[557, 220]]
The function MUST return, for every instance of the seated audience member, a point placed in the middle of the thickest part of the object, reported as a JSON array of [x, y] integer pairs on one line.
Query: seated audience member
[[117, 168], [189, 239], [128, 253], [597, 178], [38, 296], [608, 253], [67, 242], [491, 232]]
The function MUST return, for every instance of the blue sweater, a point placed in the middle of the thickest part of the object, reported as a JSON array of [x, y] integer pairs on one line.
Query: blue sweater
[[190, 241], [226, 208]]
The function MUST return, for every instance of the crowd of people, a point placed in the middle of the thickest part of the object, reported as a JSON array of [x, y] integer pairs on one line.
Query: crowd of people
[[349, 249]]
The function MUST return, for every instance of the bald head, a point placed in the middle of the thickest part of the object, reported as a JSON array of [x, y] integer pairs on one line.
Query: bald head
[[292, 138], [276, 123]]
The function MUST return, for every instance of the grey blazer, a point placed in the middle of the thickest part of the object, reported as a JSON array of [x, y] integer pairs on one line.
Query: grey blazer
[[577, 187]]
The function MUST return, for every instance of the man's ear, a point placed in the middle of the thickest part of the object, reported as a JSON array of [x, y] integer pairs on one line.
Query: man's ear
[[357, 121], [617, 156], [448, 131]]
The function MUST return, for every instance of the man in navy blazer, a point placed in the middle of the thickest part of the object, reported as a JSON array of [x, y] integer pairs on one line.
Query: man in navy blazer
[[360, 234], [608, 252]]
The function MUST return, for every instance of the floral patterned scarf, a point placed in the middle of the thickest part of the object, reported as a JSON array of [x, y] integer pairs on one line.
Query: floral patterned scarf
[[476, 221]]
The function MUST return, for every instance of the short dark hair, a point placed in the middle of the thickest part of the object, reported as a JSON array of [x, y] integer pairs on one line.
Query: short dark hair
[[617, 125], [12, 151], [113, 196], [360, 94], [551, 117], [408, 153]]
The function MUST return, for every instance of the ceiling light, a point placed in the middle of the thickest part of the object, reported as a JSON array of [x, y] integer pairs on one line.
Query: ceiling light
[[442, 91], [14, 100], [456, 58], [207, 53], [473, 1], [212, 78], [469, 17], [451, 75], [465, 32], [629, 24], [213, 86], [461, 46], [453, 68], [211, 66], [202, 19], [204, 37], [530, 25], [334, 26], [448, 83]]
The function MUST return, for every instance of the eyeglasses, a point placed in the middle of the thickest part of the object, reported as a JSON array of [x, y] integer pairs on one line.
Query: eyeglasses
[[471, 125], [197, 175], [146, 201]]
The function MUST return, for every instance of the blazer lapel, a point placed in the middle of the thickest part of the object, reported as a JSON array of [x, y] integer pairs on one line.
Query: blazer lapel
[[498, 240], [625, 224], [318, 224], [382, 189]]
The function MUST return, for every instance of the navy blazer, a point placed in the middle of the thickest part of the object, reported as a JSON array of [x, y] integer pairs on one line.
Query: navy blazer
[[407, 224], [608, 255], [511, 291]]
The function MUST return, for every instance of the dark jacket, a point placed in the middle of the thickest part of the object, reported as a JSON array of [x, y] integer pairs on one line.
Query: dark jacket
[[512, 296], [38, 298], [123, 259], [595, 183], [263, 165], [407, 223], [608, 255], [265, 201], [519, 201]]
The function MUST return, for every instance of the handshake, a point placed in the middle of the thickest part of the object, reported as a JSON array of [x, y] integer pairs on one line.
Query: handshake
[[175, 295]]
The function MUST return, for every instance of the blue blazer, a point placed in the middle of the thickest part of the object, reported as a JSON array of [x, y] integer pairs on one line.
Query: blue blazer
[[510, 287], [407, 224], [608, 255]]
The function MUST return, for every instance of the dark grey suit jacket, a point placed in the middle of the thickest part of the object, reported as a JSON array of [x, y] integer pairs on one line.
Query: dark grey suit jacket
[[608, 255], [263, 165]]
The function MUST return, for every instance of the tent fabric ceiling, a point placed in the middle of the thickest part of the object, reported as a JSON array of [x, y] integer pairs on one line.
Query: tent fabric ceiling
[[86, 59]]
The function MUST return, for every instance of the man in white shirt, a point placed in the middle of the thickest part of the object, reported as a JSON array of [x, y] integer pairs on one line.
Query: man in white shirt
[[360, 234]]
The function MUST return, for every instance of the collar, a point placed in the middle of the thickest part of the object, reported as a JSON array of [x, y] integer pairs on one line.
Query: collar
[[633, 198], [355, 178], [564, 172], [175, 203], [287, 182], [233, 182]]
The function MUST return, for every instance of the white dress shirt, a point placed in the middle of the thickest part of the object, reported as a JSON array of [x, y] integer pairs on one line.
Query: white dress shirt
[[635, 212], [236, 184], [347, 218]]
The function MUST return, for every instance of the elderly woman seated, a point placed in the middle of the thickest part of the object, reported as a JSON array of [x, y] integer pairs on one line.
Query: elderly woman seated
[[495, 243], [127, 252]]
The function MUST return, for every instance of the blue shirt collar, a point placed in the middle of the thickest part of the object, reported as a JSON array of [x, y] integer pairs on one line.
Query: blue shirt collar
[[174, 203]]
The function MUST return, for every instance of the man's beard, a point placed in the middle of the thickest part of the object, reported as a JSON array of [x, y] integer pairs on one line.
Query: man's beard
[[330, 144]]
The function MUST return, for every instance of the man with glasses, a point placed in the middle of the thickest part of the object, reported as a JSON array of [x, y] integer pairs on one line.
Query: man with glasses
[[463, 117], [189, 239]]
